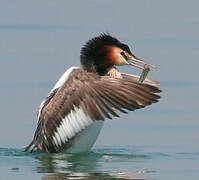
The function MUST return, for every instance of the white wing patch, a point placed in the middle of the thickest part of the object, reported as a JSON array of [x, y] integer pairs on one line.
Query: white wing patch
[[65, 77], [72, 124], [58, 84]]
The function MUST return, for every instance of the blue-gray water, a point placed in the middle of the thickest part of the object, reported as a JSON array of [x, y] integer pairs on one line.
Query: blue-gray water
[[39, 40]]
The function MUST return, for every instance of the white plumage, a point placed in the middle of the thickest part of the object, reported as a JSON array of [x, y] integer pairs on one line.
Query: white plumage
[[72, 125]]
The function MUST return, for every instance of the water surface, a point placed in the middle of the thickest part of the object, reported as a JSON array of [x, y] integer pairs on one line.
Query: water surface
[[127, 162]]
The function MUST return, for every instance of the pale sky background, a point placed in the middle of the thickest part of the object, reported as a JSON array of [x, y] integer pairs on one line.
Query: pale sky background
[[39, 40]]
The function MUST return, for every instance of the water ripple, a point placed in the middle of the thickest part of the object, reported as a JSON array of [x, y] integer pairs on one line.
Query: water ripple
[[100, 163]]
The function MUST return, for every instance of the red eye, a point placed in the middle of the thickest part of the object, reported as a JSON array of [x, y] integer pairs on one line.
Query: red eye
[[122, 53]]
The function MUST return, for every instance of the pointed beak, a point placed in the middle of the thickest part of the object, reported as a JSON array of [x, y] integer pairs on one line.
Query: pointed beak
[[138, 63]]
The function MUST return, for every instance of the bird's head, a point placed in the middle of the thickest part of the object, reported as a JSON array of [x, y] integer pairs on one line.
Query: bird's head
[[104, 51]]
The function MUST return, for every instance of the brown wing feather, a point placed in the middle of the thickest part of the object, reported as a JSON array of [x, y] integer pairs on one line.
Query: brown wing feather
[[99, 97]]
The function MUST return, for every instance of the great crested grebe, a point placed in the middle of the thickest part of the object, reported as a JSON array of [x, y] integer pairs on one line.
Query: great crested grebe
[[72, 115]]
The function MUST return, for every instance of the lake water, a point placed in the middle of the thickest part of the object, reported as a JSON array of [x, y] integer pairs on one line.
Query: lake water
[[40, 40]]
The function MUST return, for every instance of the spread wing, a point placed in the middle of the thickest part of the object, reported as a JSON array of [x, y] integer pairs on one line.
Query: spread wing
[[83, 98]]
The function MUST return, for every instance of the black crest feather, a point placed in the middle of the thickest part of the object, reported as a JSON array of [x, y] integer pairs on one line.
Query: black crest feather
[[91, 53]]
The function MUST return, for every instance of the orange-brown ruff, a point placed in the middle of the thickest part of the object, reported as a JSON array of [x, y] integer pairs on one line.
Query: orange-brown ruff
[[72, 115]]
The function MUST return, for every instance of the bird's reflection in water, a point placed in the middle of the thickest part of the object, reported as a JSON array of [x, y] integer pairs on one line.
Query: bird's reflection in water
[[92, 176], [62, 166], [60, 162]]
